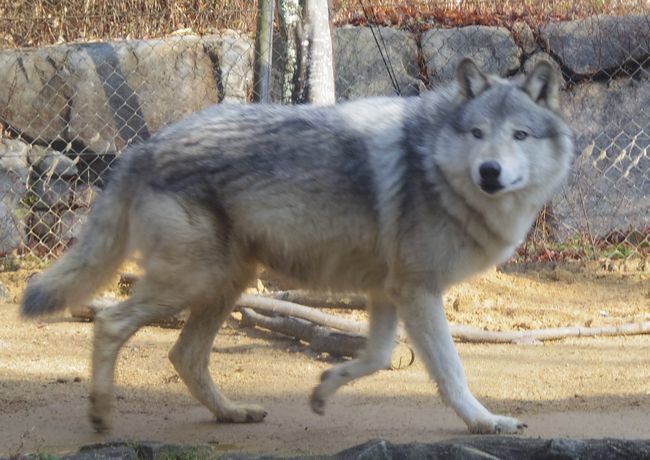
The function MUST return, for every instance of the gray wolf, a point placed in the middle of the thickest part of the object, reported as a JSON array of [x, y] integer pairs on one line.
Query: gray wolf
[[394, 197]]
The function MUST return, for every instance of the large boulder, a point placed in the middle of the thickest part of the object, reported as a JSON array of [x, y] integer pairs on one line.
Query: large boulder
[[14, 171], [502, 447], [362, 71], [125, 91], [99, 97], [524, 36], [492, 48], [52, 178], [599, 43], [232, 54], [35, 91]]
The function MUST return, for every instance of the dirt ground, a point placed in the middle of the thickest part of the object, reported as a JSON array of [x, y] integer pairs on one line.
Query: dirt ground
[[579, 388]]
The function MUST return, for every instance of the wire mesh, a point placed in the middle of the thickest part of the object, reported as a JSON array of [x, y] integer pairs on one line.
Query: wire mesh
[[81, 80]]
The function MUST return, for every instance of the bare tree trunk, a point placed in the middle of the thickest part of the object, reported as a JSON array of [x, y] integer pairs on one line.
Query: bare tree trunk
[[321, 59], [264, 51], [290, 13]]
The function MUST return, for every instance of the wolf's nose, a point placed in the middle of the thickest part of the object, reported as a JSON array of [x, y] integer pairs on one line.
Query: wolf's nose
[[489, 171]]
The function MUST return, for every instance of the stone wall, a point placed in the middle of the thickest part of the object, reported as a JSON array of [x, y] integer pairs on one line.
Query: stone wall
[[76, 106]]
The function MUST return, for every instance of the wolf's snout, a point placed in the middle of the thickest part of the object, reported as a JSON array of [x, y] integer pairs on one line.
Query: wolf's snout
[[490, 172]]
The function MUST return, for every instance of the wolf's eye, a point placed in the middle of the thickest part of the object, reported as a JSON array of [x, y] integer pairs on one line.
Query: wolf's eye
[[477, 133], [520, 135]]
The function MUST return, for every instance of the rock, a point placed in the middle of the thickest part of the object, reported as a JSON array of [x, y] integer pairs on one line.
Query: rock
[[524, 37], [5, 295], [50, 162], [493, 49], [140, 451], [42, 232], [501, 447], [125, 91], [360, 70], [14, 167], [84, 196], [12, 228], [52, 178], [374, 449], [53, 230], [51, 192], [599, 43], [117, 451], [162, 451], [71, 222], [14, 171], [99, 97], [35, 91], [469, 448], [232, 55], [609, 182]]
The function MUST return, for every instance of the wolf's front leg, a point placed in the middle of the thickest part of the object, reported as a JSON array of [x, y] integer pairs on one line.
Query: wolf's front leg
[[424, 318]]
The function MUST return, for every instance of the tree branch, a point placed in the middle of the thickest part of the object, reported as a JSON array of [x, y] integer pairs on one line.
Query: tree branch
[[460, 332]]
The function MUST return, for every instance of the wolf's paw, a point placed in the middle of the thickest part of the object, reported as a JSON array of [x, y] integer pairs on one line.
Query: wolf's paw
[[243, 414], [99, 413], [100, 423], [317, 401], [498, 424]]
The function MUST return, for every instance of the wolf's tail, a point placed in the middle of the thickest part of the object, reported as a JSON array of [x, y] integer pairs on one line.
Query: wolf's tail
[[92, 261]]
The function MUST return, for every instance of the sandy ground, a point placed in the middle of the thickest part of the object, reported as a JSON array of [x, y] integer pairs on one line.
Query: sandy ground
[[580, 388]]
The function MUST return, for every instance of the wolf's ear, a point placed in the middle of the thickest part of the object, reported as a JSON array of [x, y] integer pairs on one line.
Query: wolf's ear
[[542, 85], [471, 80]]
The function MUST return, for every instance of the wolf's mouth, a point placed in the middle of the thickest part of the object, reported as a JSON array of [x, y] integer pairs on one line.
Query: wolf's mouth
[[491, 187]]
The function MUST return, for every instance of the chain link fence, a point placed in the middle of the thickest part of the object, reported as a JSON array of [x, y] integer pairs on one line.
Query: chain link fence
[[81, 80]]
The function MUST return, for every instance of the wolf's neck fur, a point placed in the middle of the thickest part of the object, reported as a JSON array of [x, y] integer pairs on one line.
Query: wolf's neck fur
[[497, 224]]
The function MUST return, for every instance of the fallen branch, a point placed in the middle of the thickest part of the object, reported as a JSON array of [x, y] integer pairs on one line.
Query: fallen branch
[[472, 334], [322, 300], [459, 332], [322, 339], [282, 307]]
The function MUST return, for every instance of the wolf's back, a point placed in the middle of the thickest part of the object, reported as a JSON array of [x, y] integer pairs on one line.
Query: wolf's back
[[92, 260]]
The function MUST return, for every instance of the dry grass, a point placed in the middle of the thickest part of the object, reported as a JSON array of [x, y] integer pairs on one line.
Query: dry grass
[[424, 14], [43, 22]]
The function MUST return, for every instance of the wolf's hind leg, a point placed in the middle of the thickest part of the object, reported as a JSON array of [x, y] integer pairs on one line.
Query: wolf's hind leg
[[113, 327], [191, 355], [375, 356]]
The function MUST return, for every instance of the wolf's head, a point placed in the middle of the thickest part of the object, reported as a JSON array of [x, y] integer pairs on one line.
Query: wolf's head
[[505, 135]]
